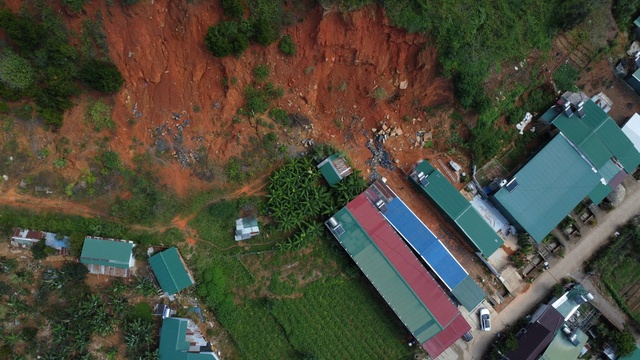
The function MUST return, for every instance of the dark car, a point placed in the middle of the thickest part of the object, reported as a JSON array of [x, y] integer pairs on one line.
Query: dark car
[[467, 336]]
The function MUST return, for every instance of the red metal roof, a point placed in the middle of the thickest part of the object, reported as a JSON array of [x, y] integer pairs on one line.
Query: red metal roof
[[403, 259], [439, 343]]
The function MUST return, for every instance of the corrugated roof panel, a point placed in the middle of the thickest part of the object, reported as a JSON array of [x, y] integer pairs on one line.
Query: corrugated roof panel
[[599, 193], [170, 271], [476, 230], [551, 184], [106, 252], [403, 260], [609, 170], [386, 279], [468, 293], [599, 137], [439, 343], [421, 239], [562, 349], [329, 172]]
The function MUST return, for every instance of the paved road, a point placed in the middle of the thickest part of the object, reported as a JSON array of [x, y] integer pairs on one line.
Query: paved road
[[574, 259]]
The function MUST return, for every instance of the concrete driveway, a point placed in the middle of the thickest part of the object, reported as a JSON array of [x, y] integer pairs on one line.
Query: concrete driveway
[[573, 260]]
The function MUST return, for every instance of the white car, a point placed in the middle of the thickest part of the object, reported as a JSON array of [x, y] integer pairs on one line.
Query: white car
[[485, 320]]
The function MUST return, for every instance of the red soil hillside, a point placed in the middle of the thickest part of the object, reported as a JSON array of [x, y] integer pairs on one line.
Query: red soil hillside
[[341, 61]]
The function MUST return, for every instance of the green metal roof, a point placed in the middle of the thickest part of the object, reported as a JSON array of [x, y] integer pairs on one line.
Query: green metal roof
[[562, 349], [329, 172], [475, 228], [636, 22], [549, 186], [598, 137], [635, 355], [170, 271], [106, 252], [468, 293], [599, 193], [386, 279], [173, 343]]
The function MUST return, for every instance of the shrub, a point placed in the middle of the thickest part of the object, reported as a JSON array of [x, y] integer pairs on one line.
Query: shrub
[[129, 2], [287, 46], [280, 116], [15, 71], [101, 75], [75, 5], [99, 116], [565, 77], [4, 108], [261, 72], [233, 8], [226, 38], [38, 250], [258, 100]]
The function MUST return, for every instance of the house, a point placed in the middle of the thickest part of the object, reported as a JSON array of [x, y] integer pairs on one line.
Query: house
[[435, 186], [170, 271], [566, 345], [246, 228], [589, 157], [108, 256], [27, 238], [570, 301], [334, 168], [397, 274], [180, 339], [632, 129], [538, 334]]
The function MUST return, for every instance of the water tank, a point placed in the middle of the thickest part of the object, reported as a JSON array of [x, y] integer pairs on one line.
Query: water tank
[[332, 222], [589, 296]]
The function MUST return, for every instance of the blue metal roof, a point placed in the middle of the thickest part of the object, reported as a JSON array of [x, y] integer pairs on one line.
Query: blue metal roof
[[434, 253], [422, 240]]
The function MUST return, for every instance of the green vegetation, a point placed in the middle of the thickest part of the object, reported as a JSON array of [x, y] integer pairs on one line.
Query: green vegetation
[[233, 36], [280, 116], [287, 46], [565, 77], [149, 202], [233, 8], [39, 63], [619, 269], [258, 99], [15, 71], [625, 11], [261, 73], [68, 315], [99, 116], [101, 75], [75, 5]]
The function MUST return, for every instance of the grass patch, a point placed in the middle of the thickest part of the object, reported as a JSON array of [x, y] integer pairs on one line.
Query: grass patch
[[565, 77]]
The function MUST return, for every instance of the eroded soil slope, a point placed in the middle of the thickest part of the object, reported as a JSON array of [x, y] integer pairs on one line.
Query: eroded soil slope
[[351, 71]]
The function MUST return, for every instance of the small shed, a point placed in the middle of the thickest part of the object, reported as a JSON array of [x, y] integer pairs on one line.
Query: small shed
[[334, 168], [170, 271], [27, 238], [246, 228]]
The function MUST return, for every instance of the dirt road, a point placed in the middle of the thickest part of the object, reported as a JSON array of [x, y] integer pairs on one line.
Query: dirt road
[[572, 262]]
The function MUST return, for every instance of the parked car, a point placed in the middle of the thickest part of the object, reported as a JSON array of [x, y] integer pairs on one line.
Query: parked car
[[485, 320], [467, 336]]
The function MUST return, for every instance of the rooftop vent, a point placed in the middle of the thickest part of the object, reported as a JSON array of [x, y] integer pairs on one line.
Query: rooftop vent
[[422, 179], [580, 110], [335, 227], [567, 109], [382, 206], [512, 184]]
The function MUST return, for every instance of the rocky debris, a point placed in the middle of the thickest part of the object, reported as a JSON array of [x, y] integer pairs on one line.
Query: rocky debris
[[385, 132], [307, 142], [404, 84], [421, 138], [167, 139], [23, 184], [381, 157]]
